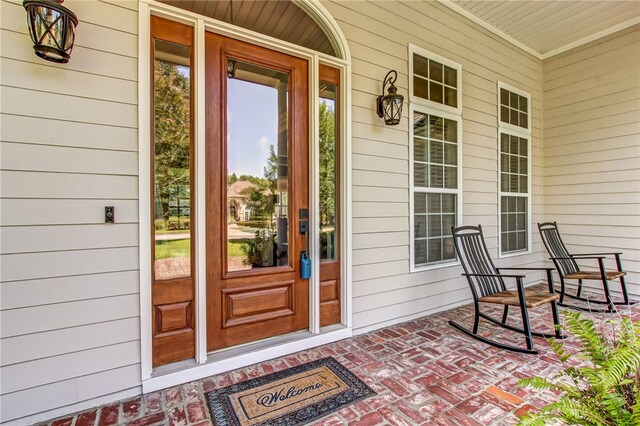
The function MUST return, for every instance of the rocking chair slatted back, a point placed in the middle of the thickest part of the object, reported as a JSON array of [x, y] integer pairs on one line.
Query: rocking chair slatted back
[[474, 257], [556, 248]]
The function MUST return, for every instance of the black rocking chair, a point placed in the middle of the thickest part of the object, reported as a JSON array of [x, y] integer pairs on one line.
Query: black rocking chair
[[488, 286], [568, 269]]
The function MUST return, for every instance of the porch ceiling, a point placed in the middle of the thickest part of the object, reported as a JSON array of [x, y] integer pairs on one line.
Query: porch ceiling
[[548, 27]]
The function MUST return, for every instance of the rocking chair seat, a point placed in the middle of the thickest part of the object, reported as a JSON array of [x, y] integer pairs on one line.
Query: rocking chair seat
[[595, 275], [533, 298]]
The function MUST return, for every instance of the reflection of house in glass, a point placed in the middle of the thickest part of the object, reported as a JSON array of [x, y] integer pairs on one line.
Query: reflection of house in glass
[[237, 195]]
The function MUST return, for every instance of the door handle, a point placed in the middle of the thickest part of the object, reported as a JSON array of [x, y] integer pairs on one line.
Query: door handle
[[305, 262]]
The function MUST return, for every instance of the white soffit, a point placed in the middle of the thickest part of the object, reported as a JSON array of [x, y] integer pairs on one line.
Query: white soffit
[[548, 27]]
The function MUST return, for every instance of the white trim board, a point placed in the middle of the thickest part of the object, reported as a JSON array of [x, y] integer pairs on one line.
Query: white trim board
[[484, 24]]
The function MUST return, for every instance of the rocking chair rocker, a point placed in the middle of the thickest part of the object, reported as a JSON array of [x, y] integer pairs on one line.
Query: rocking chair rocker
[[568, 269], [487, 285]]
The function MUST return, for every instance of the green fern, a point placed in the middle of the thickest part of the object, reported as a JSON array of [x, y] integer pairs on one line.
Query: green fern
[[604, 389]]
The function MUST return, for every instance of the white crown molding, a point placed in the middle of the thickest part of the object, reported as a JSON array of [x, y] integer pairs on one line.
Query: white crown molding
[[484, 24], [542, 56]]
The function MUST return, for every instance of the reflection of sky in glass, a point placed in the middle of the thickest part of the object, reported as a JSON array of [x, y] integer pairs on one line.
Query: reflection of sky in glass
[[252, 125], [328, 102], [184, 71]]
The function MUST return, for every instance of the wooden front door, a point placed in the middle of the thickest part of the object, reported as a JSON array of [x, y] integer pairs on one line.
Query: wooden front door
[[256, 172]]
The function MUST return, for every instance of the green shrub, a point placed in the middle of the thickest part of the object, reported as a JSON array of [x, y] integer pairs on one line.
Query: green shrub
[[255, 223], [259, 250], [602, 389]]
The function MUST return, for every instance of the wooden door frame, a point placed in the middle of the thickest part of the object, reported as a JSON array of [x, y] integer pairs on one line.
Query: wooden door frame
[[217, 49], [206, 364]]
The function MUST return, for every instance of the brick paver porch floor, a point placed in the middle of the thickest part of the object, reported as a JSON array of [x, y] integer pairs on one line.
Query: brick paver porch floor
[[424, 373]]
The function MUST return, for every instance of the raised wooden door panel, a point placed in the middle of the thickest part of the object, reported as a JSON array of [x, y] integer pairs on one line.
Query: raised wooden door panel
[[329, 110], [172, 289], [262, 295]]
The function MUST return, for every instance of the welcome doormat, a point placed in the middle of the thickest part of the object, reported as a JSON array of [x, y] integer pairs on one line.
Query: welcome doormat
[[290, 397]]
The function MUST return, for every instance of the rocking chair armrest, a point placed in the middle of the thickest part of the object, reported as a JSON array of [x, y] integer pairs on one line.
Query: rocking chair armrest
[[526, 269], [577, 256], [494, 275], [549, 271], [597, 254]]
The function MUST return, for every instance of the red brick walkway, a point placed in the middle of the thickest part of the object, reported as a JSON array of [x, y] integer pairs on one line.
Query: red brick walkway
[[424, 373]]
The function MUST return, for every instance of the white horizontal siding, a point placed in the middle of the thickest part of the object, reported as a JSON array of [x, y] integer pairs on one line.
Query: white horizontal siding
[[36, 319], [41, 131], [378, 34], [57, 368], [29, 239], [70, 306], [592, 148], [76, 339], [28, 211], [63, 396], [46, 291]]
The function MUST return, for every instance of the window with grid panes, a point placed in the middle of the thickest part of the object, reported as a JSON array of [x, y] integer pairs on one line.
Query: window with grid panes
[[514, 108], [514, 140], [435, 187], [434, 80]]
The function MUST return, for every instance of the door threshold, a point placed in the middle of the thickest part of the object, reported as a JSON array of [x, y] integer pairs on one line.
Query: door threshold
[[241, 356]]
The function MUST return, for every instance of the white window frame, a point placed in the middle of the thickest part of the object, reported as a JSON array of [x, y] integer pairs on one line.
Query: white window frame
[[412, 189], [523, 133], [425, 102]]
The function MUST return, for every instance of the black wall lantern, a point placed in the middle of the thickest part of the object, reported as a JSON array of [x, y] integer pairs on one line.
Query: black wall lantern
[[390, 105], [52, 28]]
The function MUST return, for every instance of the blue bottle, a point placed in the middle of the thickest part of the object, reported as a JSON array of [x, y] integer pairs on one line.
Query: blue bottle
[[305, 266]]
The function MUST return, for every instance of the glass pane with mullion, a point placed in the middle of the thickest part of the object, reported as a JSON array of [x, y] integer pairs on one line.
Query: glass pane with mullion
[[420, 125], [435, 71], [450, 154], [436, 176], [419, 202], [436, 152], [258, 174], [514, 117], [420, 226], [434, 203], [450, 76], [513, 100], [328, 172], [420, 66], [420, 252], [434, 250], [435, 225], [420, 175], [450, 130], [448, 203], [450, 177], [504, 97], [420, 87], [450, 97], [420, 152], [172, 161], [504, 114], [436, 92]]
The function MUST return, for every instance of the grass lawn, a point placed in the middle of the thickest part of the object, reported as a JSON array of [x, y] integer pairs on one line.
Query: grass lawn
[[180, 248]]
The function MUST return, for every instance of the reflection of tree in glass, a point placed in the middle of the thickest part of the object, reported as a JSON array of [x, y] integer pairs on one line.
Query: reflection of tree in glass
[[172, 142], [327, 165]]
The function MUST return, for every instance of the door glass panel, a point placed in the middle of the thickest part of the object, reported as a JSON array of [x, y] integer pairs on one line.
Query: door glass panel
[[172, 161], [257, 167], [328, 171]]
